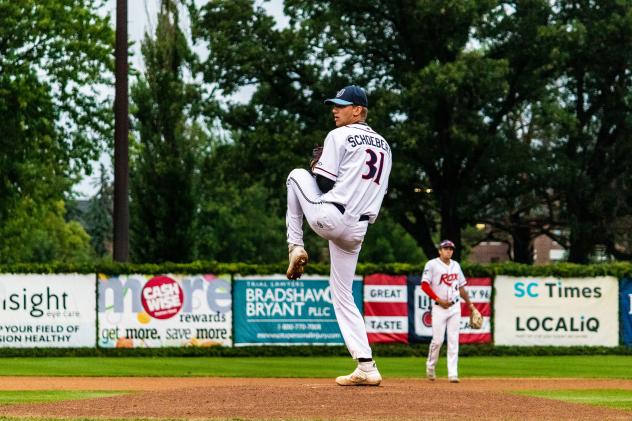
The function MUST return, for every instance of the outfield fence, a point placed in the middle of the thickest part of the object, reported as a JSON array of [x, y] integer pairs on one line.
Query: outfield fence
[[98, 310]]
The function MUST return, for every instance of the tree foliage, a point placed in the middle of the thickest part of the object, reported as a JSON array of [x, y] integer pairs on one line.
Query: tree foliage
[[164, 172], [54, 56]]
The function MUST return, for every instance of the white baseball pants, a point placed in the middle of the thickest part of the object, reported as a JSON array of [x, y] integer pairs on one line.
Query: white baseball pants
[[445, 320], [345, 235]]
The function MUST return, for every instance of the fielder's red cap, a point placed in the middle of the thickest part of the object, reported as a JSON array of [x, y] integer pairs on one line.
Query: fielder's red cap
[[446, 244]]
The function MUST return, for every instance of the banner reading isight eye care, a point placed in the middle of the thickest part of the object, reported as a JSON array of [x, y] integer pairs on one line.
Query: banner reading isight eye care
[[559, 312], [52, 311], [164, 310], [272, 310]]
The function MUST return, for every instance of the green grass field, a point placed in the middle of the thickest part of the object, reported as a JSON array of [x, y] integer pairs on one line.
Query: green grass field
[[9, 397], [616, 399], [606, 366], [599, 366]]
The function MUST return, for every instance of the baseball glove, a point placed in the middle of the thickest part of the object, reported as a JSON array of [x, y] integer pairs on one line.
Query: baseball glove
[[316, 153], [476, 320]]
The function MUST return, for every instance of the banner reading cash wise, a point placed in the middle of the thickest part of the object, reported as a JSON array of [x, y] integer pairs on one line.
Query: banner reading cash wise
[[51, 311], [153, 311], [558, 312]]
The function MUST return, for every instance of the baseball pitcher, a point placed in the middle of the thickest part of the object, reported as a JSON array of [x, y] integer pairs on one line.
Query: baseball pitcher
[[339, 199]]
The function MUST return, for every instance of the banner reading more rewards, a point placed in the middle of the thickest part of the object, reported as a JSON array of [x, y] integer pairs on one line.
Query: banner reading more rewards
[[164, 310], [272, 310], [51, 311], [557, 312]]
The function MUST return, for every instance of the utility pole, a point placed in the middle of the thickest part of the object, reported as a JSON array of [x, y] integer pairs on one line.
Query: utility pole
[[121, 140]]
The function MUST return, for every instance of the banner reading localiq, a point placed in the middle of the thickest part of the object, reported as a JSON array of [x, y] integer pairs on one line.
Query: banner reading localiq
[[164, 310], [52, 311], [553, 311], [272, 310]]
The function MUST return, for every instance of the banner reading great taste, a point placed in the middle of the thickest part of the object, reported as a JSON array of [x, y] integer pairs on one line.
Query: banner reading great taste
[[558, 312], [164, 310], [272, 310], [51, 311]]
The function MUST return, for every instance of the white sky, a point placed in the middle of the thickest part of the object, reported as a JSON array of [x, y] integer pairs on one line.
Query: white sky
[[141, 16]]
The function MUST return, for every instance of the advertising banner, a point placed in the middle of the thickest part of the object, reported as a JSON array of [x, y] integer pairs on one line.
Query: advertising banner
[[480, 293], [386, 308], [47, 311], [625, 301], [557, 312], [272, 310], [164, 311], [420, 312]]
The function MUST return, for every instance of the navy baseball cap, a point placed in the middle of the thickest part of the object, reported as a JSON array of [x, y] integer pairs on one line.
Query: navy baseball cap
[[446, 243], [350, 95]]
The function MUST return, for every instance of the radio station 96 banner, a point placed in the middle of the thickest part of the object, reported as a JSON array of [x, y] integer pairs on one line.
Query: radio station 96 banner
[[626, 310], [272, 310], [164, 311], [420, 313], [554, 311], [47, 311]]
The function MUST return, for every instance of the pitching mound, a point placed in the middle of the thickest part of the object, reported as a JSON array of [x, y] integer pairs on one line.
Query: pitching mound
[[314, 399]]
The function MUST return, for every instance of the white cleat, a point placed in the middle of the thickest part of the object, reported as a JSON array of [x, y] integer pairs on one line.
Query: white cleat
[[430, 374], [298, 259], [453, 379], [360, 378]]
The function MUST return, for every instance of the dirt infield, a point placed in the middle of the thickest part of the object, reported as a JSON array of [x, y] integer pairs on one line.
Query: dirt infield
[[313, 399]]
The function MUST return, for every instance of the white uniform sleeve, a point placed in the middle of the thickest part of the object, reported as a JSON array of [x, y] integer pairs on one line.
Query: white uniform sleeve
[[330, 160], [427, 275], [462, 280]]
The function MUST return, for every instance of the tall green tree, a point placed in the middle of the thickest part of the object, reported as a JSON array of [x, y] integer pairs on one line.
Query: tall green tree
[[593, 120], [54, 57], [439, 99], [164, 165]]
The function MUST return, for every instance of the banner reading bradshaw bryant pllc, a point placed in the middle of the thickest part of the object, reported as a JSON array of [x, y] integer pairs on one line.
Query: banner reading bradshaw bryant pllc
[[272, 310], [165, 310], [386, 308], [553, 311], [52, 311]]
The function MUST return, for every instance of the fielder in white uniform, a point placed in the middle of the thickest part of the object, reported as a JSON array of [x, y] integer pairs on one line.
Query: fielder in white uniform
[[444, 282], [339, 200]]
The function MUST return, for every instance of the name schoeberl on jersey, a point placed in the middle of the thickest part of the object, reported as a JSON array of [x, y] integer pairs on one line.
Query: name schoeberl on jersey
[[362, 139]]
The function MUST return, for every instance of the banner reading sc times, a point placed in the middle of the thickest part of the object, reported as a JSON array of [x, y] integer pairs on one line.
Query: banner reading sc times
[[272, 310], [164, 310], [52, 311], [553, 311]]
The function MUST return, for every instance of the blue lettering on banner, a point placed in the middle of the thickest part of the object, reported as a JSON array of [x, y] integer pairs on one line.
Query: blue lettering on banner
[[625, 303], [529, 289]]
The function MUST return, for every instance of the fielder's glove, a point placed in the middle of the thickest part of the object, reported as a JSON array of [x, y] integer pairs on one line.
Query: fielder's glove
[[476, 320], [316, 153]]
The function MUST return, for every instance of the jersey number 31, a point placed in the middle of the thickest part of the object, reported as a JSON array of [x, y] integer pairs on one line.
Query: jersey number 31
[[372, 168]]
